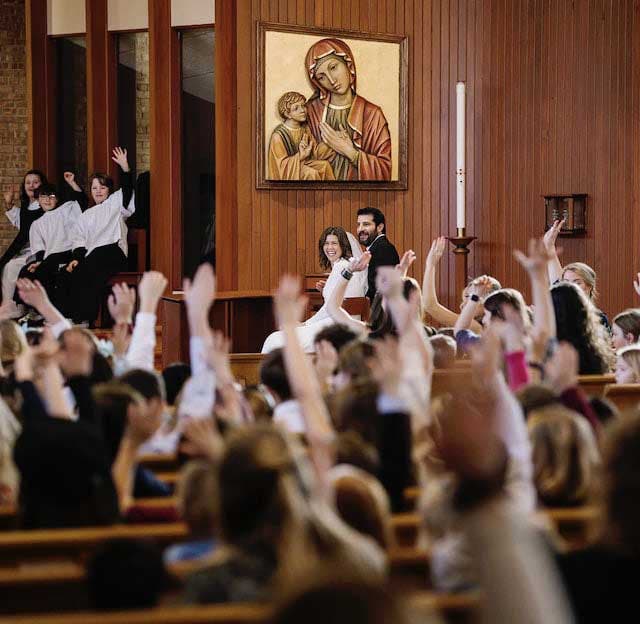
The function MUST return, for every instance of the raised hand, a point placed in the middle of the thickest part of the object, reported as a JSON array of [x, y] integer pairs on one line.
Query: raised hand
[[69, 177], [200, 293], [121, 303], [201, 439], [408, 258], [289, 305], [8, 198], [33, 294], [551, 235], [120, 157], [150, 290], [360, 264], [539, 257], [388, 282], [481, 286], [436, 251]]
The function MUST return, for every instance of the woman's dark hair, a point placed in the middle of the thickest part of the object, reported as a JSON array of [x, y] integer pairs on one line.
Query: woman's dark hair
[[343, 241], [24, 198], [578, 324], [380, 321]]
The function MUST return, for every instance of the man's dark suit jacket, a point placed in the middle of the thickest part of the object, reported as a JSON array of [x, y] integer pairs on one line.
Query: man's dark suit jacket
[[383, 253]]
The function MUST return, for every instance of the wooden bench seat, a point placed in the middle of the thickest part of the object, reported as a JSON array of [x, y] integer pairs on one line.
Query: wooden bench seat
[[623, 396]]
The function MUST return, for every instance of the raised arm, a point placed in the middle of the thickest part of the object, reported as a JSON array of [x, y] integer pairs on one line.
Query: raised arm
[[554, 267], [477, 291], [336, 297], [143, 339], [430, 301], [199, 296], [78, 194], [120, 157], [289, 308], [34, 294], [536, 264]]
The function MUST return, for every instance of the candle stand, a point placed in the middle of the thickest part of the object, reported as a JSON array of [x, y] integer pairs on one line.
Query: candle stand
[[461, 244]]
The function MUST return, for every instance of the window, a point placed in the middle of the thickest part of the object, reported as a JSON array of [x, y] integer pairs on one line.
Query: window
[[198, 146], [71, 110]]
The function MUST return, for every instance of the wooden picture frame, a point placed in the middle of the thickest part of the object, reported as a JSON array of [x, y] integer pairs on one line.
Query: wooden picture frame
[[372, 127]]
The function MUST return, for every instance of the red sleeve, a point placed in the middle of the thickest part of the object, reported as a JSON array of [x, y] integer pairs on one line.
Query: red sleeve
[[517, 371]]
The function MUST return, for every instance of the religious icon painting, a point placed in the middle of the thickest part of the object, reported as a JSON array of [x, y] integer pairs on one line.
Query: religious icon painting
[[331, 108]]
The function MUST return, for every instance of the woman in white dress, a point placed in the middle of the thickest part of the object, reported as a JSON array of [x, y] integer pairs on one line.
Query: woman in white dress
[[335, 248]]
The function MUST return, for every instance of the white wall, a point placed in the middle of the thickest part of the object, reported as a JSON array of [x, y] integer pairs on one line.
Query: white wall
[[192, 12], [66, 17], [128, 14]]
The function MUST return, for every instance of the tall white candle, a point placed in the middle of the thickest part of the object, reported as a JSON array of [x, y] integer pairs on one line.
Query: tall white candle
[[460, 151]]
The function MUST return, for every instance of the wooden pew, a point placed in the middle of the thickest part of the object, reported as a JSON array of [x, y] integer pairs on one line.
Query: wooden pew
[[623, 396], [61, 585], [454, 608]]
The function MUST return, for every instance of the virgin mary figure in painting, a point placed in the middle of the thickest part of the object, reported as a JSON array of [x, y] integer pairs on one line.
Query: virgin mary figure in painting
[[353, 127]]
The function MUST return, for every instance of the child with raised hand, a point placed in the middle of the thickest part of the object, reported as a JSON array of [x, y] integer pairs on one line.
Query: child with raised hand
[[22, 209], [51, 236], [100, 242]]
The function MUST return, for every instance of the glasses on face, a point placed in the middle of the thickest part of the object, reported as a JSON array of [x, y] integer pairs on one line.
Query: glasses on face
[[46, 196]]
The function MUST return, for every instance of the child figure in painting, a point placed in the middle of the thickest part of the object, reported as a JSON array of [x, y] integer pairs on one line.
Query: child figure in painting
[[293, 152]]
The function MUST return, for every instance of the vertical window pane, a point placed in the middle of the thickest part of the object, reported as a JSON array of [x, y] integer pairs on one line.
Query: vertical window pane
[[198, 166], [71, 109], [133, 98]]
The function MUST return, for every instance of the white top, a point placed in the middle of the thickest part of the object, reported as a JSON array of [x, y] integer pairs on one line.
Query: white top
[[53, 232], [103, 224], [321, 319], [288, 414], [14, 218], [14, 213]]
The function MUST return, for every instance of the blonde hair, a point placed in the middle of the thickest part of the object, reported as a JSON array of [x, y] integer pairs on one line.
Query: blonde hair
[[198, 499], [587, 274], [13, 342], [287, 100], [565, 455], [631, 357]]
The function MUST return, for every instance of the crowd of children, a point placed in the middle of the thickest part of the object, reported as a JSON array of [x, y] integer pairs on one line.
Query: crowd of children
[[288, 487], [70, 248]]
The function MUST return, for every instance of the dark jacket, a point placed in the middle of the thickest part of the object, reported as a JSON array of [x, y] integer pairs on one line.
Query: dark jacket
[[383, 253], [27, 217]]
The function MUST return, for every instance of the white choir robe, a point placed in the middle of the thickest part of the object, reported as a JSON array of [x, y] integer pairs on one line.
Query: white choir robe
[[54, 231]]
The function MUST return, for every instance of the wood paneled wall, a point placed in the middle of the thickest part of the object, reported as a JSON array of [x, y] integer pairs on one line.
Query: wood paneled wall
[[553, 107]]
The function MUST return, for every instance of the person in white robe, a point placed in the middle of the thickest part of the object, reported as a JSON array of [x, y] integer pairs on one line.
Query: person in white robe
[[335, 247]]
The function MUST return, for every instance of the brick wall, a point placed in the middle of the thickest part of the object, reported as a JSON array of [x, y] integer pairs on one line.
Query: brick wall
[[13, 104], [142, 103]]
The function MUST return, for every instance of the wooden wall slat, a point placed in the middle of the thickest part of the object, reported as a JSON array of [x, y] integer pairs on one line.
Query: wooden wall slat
[[552, 106]]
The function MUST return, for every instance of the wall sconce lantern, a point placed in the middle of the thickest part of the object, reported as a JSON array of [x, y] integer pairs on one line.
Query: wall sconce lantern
[[571, 208]]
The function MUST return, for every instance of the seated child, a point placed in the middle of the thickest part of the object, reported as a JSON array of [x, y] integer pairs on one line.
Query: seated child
[[100, 243], [21, 215], [293, 152], [51, 236]]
